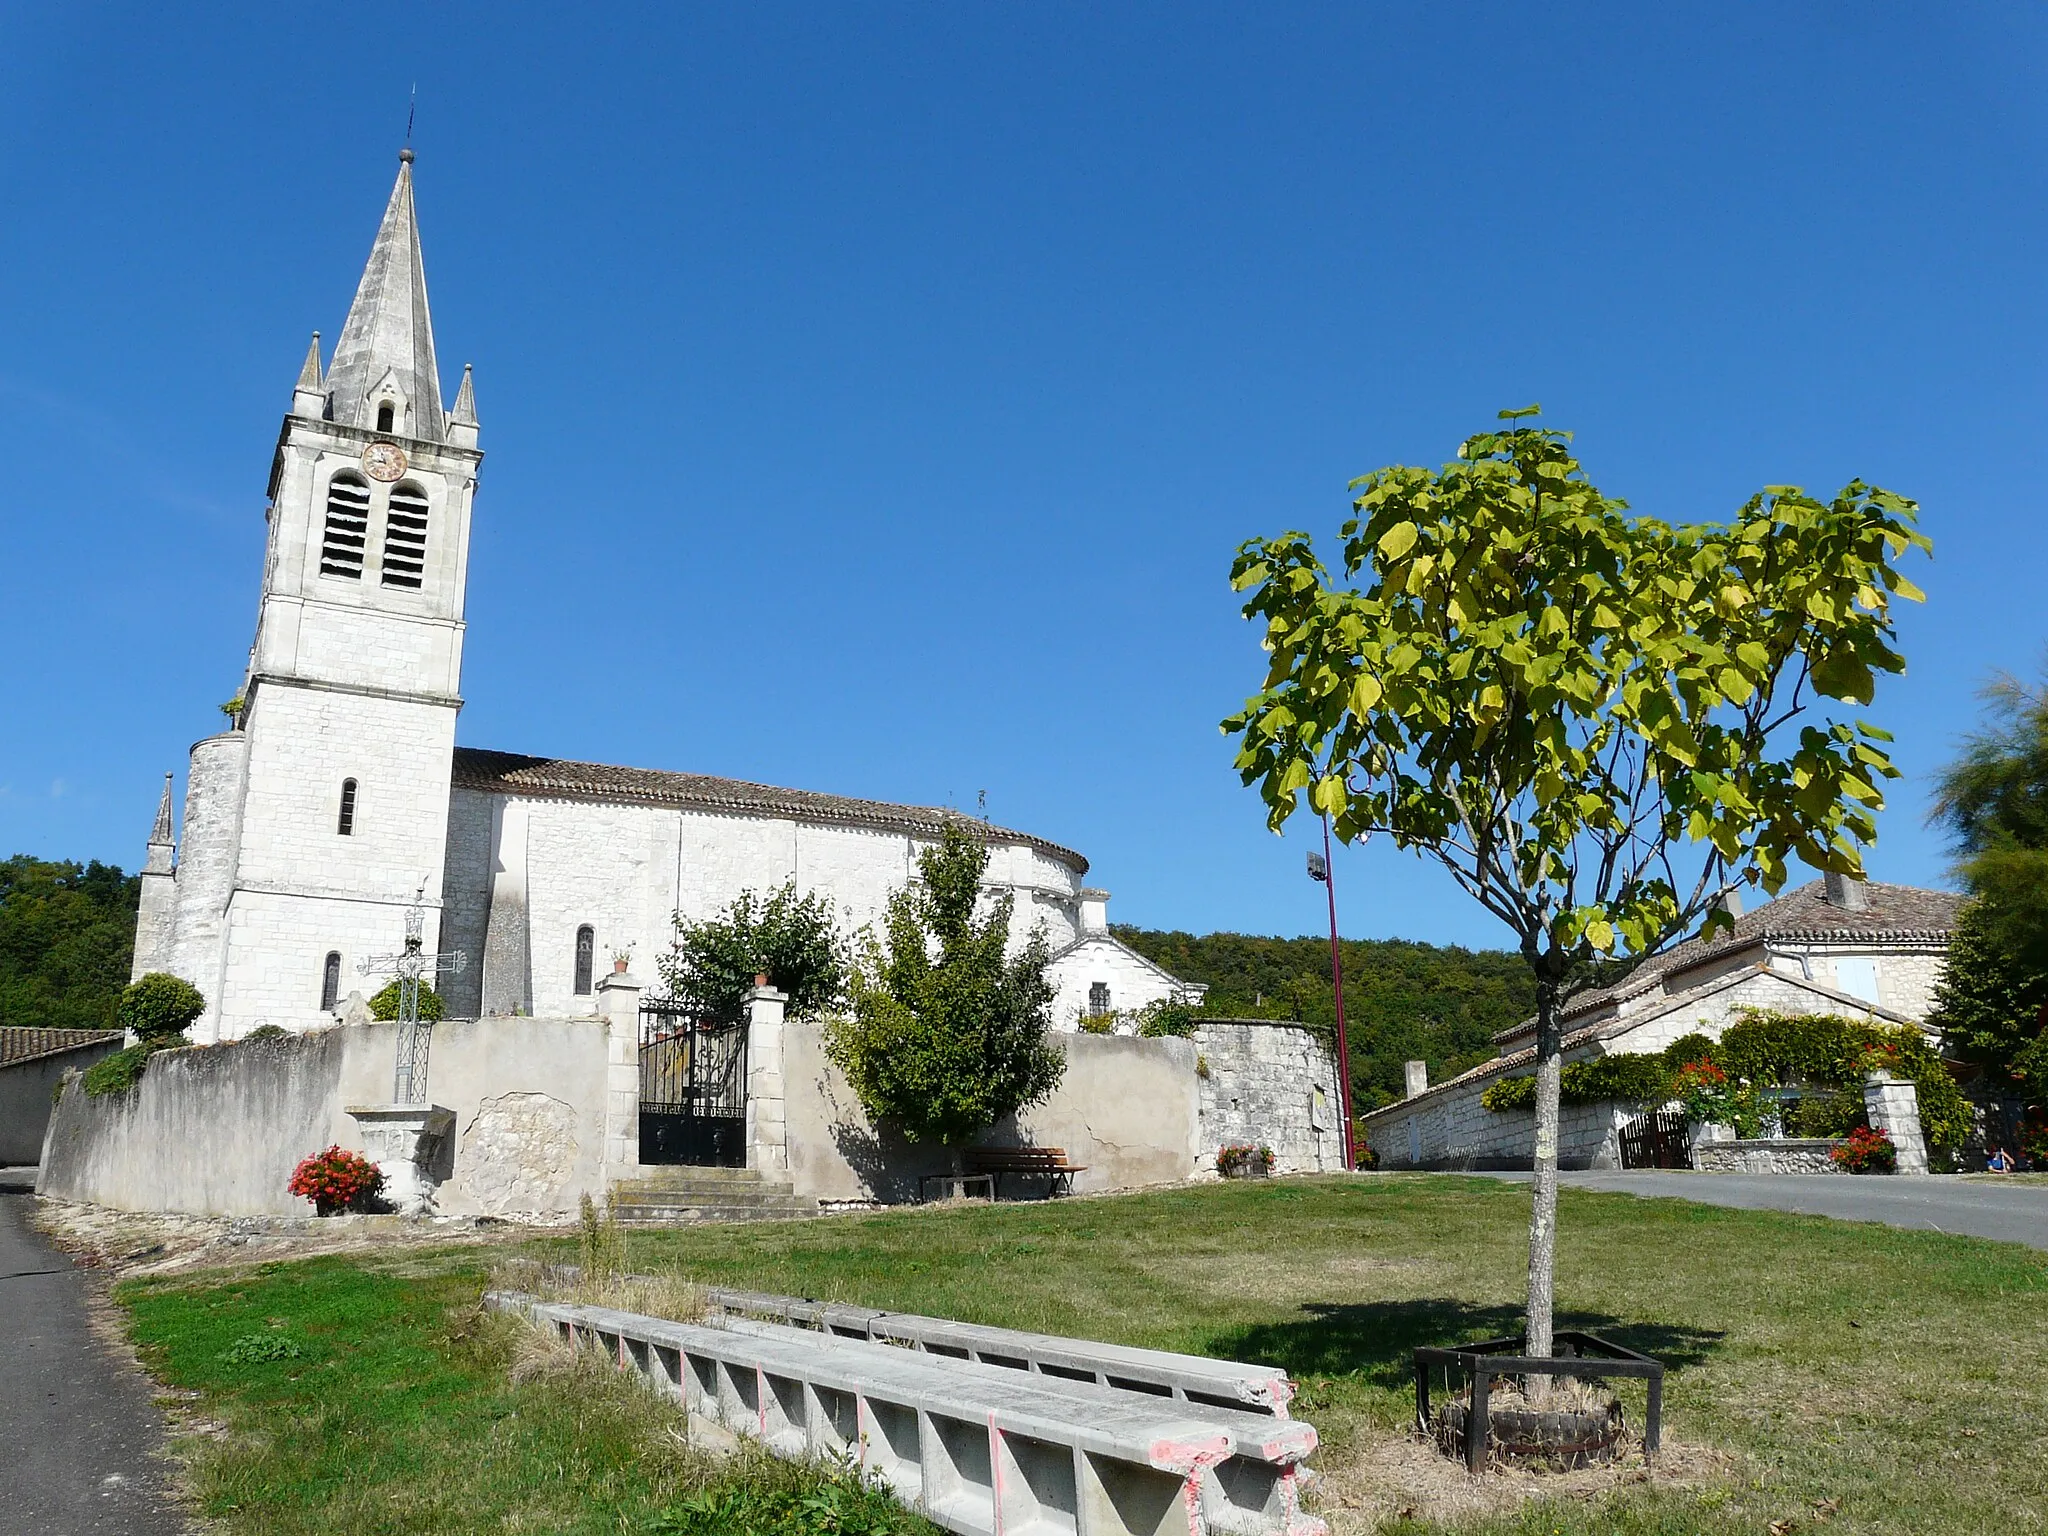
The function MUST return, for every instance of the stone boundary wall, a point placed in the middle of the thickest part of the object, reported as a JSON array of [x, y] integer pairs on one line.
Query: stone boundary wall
[[1270, 1084], [1127, 1108], [1455, 1131], [26, 1088], [216, 1130], [1772, 1155], [211, 1130]]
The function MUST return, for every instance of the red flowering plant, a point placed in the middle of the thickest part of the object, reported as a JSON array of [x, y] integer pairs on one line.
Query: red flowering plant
[[1867, 1151], [1878, 1057], [1710, 1099], [336, 1180]]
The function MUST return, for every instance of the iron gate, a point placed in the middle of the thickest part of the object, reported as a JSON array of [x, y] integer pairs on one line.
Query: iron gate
[[1659, 1139], [693, 1088]]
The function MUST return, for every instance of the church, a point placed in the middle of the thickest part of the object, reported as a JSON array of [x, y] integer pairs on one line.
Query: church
[[338, 797]]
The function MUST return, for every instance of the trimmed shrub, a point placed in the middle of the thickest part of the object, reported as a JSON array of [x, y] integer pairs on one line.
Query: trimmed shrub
[[159, 1005], [384, 1005]]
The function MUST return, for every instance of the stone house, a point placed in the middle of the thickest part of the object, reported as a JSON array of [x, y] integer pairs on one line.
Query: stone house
[[1830, 946]]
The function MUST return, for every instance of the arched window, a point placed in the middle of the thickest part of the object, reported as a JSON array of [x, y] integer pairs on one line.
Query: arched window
[[330, 981], [345, 824], [348, 527], [586, 958], [405, 537], [385, 410]]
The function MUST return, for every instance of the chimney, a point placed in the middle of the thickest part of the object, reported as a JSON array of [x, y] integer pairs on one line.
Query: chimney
[[1846, 892], [1094, 911], [1418, 1077]]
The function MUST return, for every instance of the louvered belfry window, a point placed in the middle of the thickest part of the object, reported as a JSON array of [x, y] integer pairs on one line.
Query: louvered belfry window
[[330, 982], [348, 527], [405, 537]]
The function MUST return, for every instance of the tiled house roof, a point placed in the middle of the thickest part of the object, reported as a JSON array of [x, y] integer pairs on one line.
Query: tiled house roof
[[509, 773], [19, 1043], [1894, 914]]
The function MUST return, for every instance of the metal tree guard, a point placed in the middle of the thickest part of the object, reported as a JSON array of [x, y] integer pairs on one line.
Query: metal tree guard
[[411, 966]]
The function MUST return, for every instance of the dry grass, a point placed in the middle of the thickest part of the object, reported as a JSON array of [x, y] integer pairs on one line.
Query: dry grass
[[659, 1295]]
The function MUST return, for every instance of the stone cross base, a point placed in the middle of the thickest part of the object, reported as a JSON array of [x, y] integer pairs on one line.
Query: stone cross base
[[403, 1140]]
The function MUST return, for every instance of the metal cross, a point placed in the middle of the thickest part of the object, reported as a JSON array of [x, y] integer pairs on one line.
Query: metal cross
[[412, 967]]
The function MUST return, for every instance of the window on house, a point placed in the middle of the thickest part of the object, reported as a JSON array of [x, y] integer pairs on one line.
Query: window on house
[[1098, 997], [345, 824], [385, 411], [586, 958], [348, 527], [330, 981], [405, 537]]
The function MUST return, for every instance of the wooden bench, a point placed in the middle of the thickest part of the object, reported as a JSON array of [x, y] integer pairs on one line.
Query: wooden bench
[[1049, 1163]]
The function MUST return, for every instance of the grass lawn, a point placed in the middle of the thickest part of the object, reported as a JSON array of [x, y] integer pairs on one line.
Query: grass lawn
[[1898, 1373]]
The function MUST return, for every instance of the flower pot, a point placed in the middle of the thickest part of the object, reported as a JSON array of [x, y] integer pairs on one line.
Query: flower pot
[[1248, 1171]]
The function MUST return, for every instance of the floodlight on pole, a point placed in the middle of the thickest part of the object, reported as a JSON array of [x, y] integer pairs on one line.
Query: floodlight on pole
[[1319, 869]]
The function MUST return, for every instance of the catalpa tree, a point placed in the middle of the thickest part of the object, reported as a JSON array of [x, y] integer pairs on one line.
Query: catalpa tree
[[1600, 724]]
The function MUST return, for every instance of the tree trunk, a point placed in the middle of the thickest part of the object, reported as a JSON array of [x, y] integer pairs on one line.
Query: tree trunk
[[1543, 1187]]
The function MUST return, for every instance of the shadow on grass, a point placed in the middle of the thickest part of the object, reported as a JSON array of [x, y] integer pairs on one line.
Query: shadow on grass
[[1378, 1339]]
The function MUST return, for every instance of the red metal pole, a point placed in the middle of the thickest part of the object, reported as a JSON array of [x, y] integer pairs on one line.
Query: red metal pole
[[1337, 981]]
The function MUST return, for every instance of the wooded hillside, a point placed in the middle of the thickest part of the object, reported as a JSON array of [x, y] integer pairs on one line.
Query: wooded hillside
[[67, 935], [1402, 1001]]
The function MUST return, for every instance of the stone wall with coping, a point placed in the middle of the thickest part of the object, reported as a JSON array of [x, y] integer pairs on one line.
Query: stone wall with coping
[[1127, 1108], [1454, 1130], [1271, 1084], [217, 1130]]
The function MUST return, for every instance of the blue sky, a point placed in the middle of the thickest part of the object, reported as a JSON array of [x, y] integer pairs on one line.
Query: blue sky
[[873, 395]]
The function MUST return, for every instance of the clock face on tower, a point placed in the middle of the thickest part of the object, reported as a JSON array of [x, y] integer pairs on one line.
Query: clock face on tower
[[384, 461]]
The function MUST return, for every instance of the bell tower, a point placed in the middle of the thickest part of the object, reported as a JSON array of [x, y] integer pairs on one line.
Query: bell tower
[[332, 790]]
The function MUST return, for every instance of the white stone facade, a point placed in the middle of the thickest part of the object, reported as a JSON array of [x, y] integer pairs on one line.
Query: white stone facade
[[339, 792]]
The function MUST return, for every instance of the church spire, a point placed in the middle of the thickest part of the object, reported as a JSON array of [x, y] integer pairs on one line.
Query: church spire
[[386, 352], [158, 861], [309, 395]]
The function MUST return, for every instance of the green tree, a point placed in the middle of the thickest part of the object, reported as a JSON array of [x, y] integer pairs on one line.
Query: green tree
[[67, 938], [1599, 724], [1993, 998], [1405, 1001], [790, 939], [947, 1035]]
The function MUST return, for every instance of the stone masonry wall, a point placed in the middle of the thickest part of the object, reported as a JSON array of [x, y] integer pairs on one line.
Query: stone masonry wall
[[1784, 1155], [1269, 1084]]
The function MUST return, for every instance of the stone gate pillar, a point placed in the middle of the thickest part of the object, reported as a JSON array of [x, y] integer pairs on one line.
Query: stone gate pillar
[[618, 1004], [767, 1087], [1893, 1106]]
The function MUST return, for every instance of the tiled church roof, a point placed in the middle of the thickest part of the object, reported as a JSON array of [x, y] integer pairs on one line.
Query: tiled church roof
[[510, 773]]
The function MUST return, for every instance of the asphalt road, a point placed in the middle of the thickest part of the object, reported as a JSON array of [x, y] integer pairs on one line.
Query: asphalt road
[[76, 1423], [2010, 1213]]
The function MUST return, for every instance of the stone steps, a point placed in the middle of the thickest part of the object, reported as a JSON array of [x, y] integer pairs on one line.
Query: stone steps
[[680, 1195]]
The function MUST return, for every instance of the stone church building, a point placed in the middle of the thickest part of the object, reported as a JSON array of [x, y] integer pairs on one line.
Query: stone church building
[[339, 790]]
